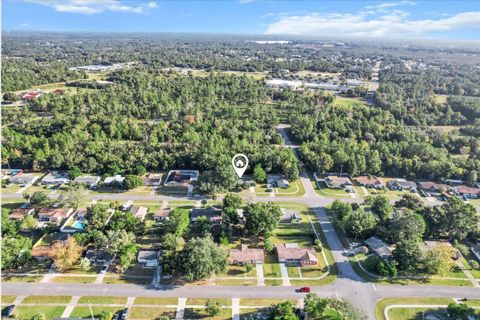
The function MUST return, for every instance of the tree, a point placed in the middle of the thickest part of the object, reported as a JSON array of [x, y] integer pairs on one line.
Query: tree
[[127, 256], [118, 240], [284, 311], [438, 260], [170, 241], [472, 177], [462, 218], [132, 182], [342, 210], [259, 175], [220, 179], [267, 244], [105, 315], [459, 311], [407, 254], [360, 224], [10, 97], [381, 207], [74, 172], [178, 222], [28, 223], [39, 198], [261, 218], [16, 251], [97, 216], [410, 201], [9, 226], [212, 307], [405, 225], [67, 254], [232, 200], [314, 305], [73, 197], [39, 316], [201, 257], [85, 264]]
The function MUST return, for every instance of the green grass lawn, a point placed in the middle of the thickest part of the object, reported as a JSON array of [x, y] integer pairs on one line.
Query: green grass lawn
[[102, 300], [238, 271], [295, 189], [273, 282], [202, 301], [236, 282], [382, 304], [21, 278], [414, 313], [263, 302], [151, 312], [8, 299], [84, 312], [153, 300], [271, 268], [224, 314], [345, 102], [47, 299], [73, 279], [27, 313], [126, 280], [11, 188], [293, 272]]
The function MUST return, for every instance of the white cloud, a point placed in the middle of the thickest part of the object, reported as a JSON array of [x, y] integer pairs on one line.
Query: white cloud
[[25, 25], [96, 6], [246, 1], [392, 24], [391, 4]]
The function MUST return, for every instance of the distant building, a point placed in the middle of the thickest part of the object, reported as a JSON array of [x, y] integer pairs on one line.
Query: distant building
[[379, 247], [162, 214], [117, 179], [468, 192], [54, 215], [290, 216], [139, 212], [148, 258], [336, 182], [213, 214], [89, 181], [23, 178], [432, 187], [292, 254], [56, 178], [152, 179], [369, 182], [180, 177], [402, 184], [21, 213], [243, 255]]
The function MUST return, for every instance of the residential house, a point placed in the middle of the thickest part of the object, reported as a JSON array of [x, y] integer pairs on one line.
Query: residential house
[[43, 252], [369, 182], [99, 257], [337, 182], [292, 254], [432, 187], [23, 178], [244, 255], [139, 212], [115, 179], [476, 250], [290, 216], [180, 177], [31, 94], [468, 192], [148, 258], [429, 245], [20, 213], [54, 215], [162, 214], [379, 247], [152, 179], [89, 181], [402, 184], [213, 214], [283, 183], [56, 178]]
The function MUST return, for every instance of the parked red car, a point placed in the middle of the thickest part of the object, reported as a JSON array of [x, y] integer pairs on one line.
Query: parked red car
[[304, 289]]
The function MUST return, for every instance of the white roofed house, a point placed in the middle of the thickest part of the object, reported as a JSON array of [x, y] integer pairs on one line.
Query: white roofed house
[[115, 179], [379, 247], [89, 181], [148, 258], [56, 178], [153, 179]]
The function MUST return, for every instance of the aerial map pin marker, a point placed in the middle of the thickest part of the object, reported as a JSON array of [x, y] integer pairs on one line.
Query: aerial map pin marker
[[240, 163]]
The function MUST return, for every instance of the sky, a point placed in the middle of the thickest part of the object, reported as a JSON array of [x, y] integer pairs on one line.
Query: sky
[[366, 19]]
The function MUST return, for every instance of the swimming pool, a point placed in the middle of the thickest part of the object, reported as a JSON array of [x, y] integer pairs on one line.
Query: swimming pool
[[78, 225]]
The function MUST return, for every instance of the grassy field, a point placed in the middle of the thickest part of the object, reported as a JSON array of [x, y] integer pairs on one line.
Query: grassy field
[[150, 312], [273, 283], [102, 300], [84, 312], [263, 302], [202, 301], [271, 268], [347, 102], [27, 313], [202, 314], [236, 282], [47, 299], [21, 278], [382, 304], [8, 299], [73, 279], [152, 300]]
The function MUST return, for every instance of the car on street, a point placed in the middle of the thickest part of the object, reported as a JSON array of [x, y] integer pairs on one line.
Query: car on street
[[303, 289], [7, 311]]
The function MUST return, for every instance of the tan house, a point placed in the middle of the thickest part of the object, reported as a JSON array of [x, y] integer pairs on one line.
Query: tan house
[[243, 255], [469, 192], [336, 182], [54, 215], [20, 213], [369, 182], [139, 212], [292, 254], [162, 214], [43, 252]]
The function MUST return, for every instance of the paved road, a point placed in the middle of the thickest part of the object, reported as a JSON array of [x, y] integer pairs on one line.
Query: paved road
[[348, 285]]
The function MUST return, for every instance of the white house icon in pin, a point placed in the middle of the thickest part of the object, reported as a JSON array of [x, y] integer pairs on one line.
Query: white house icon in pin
[[240, 164]]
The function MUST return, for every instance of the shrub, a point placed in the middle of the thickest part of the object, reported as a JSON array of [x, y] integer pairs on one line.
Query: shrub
[[474, 264]]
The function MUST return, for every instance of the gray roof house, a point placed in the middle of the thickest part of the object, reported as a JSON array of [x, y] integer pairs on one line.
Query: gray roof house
[[90, 181], [23, 178], [402, 184], [55, 177], [379, 247]]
